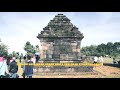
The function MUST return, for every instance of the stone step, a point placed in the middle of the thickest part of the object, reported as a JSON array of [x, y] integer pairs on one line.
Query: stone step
[[74, 74], [64, 69]]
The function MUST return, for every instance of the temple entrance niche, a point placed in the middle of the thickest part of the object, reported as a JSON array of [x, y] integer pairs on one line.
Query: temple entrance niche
[[60, 40]]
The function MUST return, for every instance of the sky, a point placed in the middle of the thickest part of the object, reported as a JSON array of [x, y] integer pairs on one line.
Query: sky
[[97, 27]]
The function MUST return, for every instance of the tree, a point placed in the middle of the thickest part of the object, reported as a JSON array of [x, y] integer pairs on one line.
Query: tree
[[3, 50], [21, 55], [29, 48], [14, 54], [37, 48], [93, 50], [89, 50], [101, 49], [17, 55], [116, 46], [109, 48], [10, 55]]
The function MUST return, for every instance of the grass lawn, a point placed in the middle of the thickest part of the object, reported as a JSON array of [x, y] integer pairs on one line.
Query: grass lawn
[[108, 60]]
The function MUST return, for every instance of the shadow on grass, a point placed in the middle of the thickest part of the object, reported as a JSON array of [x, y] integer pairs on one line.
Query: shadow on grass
[[112, 65]]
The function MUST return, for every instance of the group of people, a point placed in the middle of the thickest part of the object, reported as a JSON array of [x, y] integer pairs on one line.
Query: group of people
[[8, 68], [100, 59], [29, 69]]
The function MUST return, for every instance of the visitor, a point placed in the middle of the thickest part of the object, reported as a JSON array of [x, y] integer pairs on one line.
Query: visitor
[[95, 59], [37, 58], [34, 61], [20, 59], [13, 68], [115, 61], [23, 65], [24, 57], [3, 68], [29, 68], [8, 60], [101, 60]]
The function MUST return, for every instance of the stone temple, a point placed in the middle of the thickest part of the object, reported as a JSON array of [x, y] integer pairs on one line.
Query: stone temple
[[60, 40]]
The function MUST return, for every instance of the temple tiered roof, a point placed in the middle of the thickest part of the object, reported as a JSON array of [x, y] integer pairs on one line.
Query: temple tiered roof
[[60, 26]]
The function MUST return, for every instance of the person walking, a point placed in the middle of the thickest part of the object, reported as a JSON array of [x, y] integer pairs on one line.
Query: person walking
[[3, 68], [23, 65], [101, 60], [33, 59], [34, 62], [37, 58], [95, 59], [13, 68], [8, 60], [29, 68], [20, 59]]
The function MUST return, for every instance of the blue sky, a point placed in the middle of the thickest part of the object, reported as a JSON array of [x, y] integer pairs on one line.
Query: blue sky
[[97, 27]]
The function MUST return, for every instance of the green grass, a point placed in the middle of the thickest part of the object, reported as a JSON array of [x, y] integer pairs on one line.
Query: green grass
[[118, 76], [108, 60]]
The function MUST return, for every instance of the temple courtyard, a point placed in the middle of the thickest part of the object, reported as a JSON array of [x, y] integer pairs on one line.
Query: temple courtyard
[[109, 70]]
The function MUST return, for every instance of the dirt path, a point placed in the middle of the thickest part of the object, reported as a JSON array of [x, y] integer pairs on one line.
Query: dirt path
[[108, 71]]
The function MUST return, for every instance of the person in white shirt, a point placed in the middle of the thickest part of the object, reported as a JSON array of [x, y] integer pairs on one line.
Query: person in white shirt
[[3, 68], [95, 59], [101, 60]]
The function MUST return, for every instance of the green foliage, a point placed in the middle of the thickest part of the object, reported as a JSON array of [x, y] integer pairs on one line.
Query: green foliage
[[21, 55], [37, 48], [10, 55], [17, 55], [3, 50], [29, 54], [14, 54], [112, 49], [30, 49], [89, 50]]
